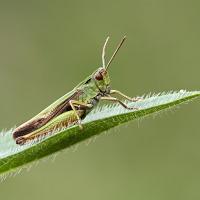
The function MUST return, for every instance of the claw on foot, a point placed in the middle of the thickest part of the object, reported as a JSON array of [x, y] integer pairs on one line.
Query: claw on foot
[[133, 108], [135, 99], [80, 125]]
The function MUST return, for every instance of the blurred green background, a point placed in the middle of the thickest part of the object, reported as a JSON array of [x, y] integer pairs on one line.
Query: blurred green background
[[47, 47]]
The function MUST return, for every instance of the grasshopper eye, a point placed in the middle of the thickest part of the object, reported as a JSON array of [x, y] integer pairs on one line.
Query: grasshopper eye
[[99, 76]]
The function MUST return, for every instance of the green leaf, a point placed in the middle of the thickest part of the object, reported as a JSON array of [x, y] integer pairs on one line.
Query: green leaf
[[102, 118]]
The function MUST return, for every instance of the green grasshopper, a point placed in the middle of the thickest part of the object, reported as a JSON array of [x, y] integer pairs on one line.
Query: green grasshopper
[[73, 106]]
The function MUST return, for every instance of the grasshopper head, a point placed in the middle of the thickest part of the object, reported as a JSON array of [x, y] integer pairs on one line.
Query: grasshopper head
[[102, 80], [101, 76]]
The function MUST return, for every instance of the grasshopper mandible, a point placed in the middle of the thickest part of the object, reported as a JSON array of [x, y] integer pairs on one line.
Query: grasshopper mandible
[[75, 105]]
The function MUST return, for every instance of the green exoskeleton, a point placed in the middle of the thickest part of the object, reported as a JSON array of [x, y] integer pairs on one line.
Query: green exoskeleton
[[73, 106]]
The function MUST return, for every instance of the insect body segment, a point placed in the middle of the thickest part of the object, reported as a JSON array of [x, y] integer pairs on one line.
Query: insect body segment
[[75, 105]]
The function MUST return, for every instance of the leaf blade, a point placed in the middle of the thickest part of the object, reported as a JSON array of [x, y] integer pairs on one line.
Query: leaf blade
[[103, 118]]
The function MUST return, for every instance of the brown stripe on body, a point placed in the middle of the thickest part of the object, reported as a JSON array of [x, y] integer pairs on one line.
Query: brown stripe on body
[[35, 124]]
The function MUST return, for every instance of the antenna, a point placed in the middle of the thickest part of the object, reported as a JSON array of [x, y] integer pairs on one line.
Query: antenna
[[103, 52], [114, 54]]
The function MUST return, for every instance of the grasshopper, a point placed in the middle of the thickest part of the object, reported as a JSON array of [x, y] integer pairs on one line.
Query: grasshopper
[[75, 105]]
